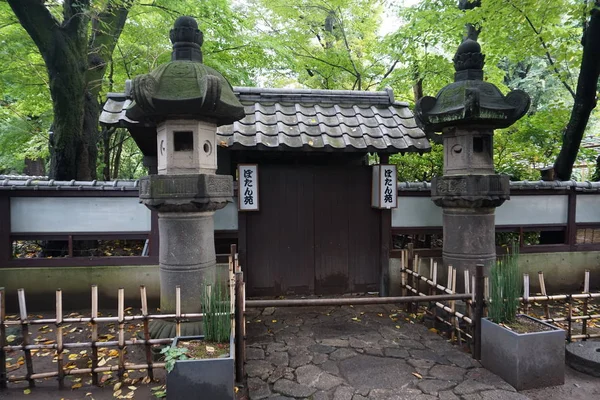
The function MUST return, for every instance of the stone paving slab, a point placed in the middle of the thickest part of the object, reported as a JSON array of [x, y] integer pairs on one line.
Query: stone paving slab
[[361, 352]]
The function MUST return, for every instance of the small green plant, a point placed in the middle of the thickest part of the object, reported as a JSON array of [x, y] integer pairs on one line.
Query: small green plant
[[505, 288], [173, 354], [217, 318]]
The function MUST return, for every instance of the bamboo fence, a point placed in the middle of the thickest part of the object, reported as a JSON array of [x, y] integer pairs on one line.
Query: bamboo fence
[[454, 317], [60, 345]]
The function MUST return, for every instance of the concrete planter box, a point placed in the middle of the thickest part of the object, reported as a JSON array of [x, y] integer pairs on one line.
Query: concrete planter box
[[525, 361], [209, 379]]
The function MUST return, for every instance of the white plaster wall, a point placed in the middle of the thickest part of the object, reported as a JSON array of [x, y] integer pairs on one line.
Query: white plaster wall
[[78, 214]]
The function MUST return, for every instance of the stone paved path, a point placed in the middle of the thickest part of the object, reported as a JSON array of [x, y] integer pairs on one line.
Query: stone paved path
[[359, 353]]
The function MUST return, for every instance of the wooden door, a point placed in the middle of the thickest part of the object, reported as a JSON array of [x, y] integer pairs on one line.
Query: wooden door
[[315, 232]]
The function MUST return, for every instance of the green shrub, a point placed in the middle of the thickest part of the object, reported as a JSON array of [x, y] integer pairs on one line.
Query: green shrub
[[505, 288], [217, 309]]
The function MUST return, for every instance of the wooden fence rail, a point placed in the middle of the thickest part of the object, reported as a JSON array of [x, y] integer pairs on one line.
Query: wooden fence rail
[[585, 316], [61, 346]]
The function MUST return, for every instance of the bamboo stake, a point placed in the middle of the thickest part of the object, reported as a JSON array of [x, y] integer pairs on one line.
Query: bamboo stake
[[2, 339], [121, 314], [442, 306], [479, 306], [434, 276], [543, 291], [415, 281], [244, 320], [83, 345], [127, 318], [25, 331], [526, 292], [147, 346], [588, 336], [486, 293], [402, 273], [449, 278], [94, 315], [431, 273], [80, 371], [178, 310], [429, 282], [453, 307], [569, 318], [59, 340], [586, 289]]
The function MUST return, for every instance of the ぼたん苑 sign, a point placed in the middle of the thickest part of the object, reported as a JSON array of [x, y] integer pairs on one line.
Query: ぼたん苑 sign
[[248, 187], [385, 187]]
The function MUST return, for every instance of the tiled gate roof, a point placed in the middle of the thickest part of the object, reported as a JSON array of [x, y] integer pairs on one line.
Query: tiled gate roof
[[304, 119]]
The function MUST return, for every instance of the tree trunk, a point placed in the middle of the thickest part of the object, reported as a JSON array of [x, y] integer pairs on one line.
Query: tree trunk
[[75, 67], [585, 98], [66, 64]]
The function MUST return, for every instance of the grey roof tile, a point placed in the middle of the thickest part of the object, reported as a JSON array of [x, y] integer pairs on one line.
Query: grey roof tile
[[309, 119]]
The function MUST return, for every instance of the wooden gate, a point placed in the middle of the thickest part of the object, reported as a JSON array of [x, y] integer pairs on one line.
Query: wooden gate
[[315, 232]]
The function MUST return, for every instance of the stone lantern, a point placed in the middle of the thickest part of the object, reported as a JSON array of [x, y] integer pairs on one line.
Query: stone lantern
[[466, 113], [174, 115]]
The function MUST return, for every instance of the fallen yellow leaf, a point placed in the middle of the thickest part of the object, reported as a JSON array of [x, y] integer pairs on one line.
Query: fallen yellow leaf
[[27, 391]]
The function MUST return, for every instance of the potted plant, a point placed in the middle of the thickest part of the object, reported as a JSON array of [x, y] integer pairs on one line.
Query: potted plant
[[202, 367], [524, 351]]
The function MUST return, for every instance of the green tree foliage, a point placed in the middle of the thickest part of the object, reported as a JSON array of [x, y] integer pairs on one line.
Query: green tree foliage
[[332, 44], [25, 92], [326, 44]]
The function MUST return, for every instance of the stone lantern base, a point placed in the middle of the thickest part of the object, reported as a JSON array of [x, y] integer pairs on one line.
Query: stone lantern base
[[469, 203], [185, 205]]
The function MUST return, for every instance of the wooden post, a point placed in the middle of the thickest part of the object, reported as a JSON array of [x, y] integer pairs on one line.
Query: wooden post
[[467, 283], [403, 258], [543, 291], [239, 327], [178, 309], [572, 220], [121, 316], [569, 317], [586, 289], [59, 340], [479, 298], [526, 292], [385, 241], [94, 334], [2, 339], [148, 346], [70, 245], [5, 239], [434, 276], [25, 331]]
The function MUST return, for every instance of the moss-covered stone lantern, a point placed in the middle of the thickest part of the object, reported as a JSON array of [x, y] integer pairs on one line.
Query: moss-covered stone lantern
[[466, 113], [173, 117]]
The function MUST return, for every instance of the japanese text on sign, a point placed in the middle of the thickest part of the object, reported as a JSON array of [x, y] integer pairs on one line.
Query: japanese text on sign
[[385, 187], [248, 187]]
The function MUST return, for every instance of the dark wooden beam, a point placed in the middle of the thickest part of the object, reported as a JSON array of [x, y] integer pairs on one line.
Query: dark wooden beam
[[5, 241]]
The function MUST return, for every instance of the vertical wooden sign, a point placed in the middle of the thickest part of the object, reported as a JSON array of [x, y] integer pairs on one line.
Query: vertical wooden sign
[[248, 197], [385, 187]]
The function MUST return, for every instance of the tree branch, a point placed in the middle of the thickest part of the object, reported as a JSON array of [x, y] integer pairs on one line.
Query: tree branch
[[545, 46], [37, 21], [585, 99], [106, 30]]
